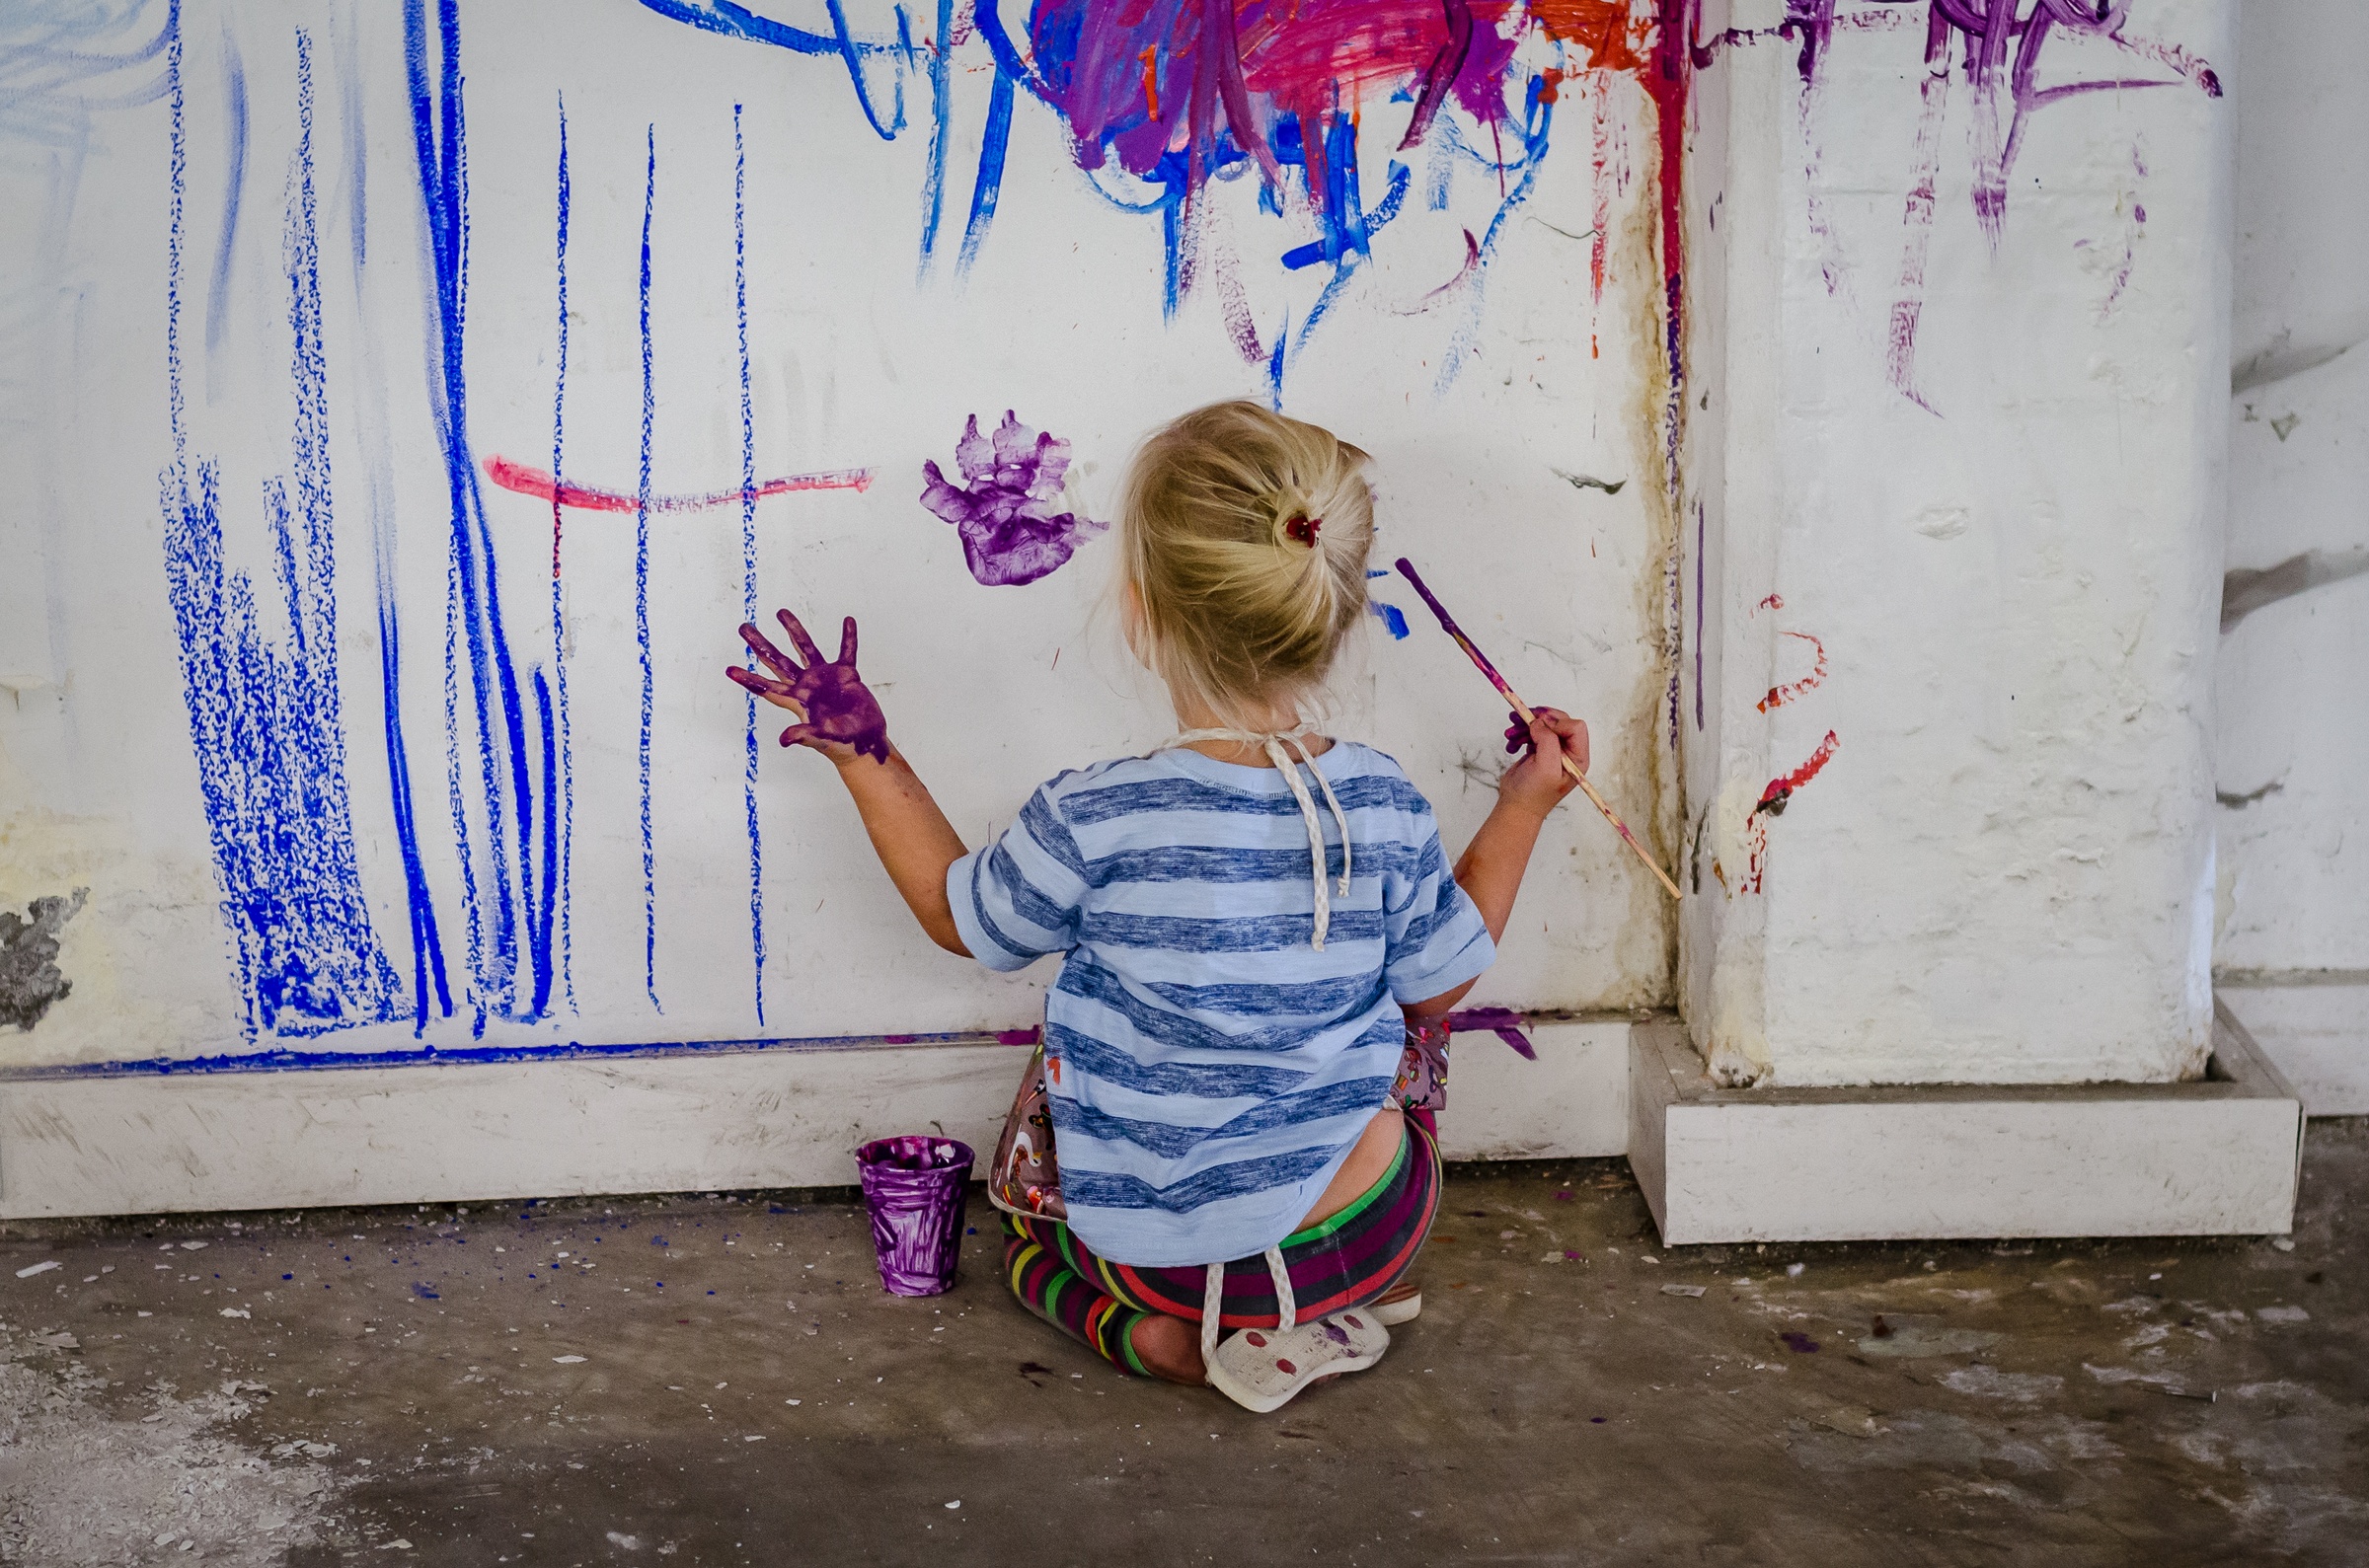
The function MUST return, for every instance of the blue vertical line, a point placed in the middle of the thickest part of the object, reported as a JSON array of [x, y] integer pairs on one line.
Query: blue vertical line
[[234, 108], [428, 945], [941, 131], [563, 808], [550, 882], [178, 173], [650, 878], [440, 142], [748, 550], [993, 140], [455, 791]]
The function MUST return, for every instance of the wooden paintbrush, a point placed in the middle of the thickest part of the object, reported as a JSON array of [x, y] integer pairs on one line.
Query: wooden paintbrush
[[1448, 625]]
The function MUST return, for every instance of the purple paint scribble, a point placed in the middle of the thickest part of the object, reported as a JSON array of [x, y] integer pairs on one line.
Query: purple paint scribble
[[830, 699], [1004, 509], [916, 1189], [1799, 1343], [1503, 1023]]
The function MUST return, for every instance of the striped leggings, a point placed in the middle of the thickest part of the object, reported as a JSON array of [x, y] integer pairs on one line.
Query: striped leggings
[[1345, 1261]]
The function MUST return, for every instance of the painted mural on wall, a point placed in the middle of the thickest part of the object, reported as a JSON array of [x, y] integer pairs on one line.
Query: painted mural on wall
[[1342, 118]]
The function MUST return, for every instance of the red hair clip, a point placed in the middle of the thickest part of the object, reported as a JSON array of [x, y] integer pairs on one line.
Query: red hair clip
[[1303, 528]]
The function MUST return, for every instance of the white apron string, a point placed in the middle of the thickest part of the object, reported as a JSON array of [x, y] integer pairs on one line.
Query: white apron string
[[1213, 1292], [1290, 770]]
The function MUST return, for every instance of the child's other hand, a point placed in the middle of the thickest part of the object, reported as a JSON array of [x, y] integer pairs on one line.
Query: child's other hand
[[1537, 781], [839, 716]]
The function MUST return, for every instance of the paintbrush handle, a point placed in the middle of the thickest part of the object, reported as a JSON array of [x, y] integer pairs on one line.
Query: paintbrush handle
[[1589, 789], [1480, 662]]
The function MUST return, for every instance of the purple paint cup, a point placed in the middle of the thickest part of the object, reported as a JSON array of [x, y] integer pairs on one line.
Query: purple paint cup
[[916, 1189]]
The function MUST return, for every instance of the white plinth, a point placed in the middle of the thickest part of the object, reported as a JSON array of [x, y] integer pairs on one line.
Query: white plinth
[[778, 1117], [2315, 1029], [1929, 1161]]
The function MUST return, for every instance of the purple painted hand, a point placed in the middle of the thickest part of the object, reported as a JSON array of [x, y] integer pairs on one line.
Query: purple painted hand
[[1004, 509], [837, 713]]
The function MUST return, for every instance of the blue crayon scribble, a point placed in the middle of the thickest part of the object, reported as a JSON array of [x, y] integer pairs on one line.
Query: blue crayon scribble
[[562, 809], [650, 412], [748, 554], [265, 715], [506, 929]]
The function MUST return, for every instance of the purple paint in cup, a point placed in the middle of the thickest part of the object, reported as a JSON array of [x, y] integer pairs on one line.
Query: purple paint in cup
[[916, 1189]]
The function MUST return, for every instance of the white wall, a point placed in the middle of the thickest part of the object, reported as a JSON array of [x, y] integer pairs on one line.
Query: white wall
[[2004, 544], [2293, 740], [1472, 385]]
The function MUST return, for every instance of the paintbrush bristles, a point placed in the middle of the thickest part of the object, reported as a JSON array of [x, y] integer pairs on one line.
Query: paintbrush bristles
[[1522, 709]]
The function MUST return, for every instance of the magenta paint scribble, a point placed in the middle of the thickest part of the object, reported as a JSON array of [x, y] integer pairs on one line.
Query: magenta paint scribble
[[1503, 1023], [1004, 509], [1464, 275], [1998, 46], [833, 705], [1445, 67]]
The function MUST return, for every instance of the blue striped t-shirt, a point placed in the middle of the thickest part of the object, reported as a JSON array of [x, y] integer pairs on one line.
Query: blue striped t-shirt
[[1210, 1069]]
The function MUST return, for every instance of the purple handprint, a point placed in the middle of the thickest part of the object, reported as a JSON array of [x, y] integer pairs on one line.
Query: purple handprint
[[1011, 534], [828, 696]]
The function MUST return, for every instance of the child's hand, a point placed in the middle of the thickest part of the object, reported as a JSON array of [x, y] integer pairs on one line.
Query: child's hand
[[1538, 781], [839, 716]]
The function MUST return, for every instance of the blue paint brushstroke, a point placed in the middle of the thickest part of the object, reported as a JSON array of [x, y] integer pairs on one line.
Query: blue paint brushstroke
[[649, 864], [854, 59], [504, 810], [564, 805], [1538, 115], [234, 180], [265, 715], [994, 140], [942, 131], [748, 560], [1391, 616]]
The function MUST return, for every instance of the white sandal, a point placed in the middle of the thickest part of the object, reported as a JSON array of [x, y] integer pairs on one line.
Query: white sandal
[[1403, 1303], [1266, 1368]]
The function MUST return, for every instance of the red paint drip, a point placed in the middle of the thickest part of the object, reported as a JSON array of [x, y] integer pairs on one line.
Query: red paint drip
[[521, 480], [1772, 798]]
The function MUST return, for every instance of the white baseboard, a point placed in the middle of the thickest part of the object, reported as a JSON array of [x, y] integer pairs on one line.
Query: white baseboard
[[2314, 1032], [784, 1117], [1924, 1162]]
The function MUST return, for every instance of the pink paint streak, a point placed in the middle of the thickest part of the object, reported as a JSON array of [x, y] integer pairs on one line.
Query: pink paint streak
[[520, 479]]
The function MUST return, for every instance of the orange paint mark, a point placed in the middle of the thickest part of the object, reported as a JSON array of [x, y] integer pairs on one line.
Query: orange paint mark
[[1601, 26], [1151, 78]]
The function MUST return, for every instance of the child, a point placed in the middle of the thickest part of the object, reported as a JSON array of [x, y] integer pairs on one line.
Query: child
[[1241, 969]]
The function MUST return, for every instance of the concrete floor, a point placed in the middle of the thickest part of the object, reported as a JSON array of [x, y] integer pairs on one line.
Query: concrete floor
[[720, 1379]]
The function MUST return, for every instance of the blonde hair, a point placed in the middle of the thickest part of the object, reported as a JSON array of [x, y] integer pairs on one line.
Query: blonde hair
[[1245, 536]]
